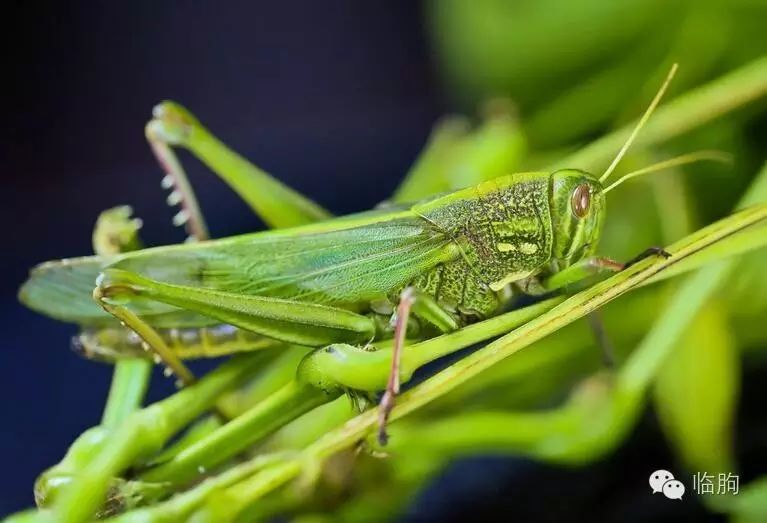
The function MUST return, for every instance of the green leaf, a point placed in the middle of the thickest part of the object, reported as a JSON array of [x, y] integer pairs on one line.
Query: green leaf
[[696, 393]]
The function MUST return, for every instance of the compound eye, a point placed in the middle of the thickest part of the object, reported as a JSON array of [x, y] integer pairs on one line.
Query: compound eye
[[581, 199]]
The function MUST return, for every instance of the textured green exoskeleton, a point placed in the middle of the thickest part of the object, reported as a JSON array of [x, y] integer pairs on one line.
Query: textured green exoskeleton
[[464, 250]]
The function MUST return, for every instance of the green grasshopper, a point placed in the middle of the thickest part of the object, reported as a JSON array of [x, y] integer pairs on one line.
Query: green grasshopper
[[450, 260]]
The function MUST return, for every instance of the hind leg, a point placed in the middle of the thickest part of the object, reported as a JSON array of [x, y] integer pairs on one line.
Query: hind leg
[[425, 307]]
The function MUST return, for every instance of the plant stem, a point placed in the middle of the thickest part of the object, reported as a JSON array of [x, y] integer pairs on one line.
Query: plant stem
[[343, 366], [144, 433], [261, 420], [278, 373], [274, 375], [179, 507], [126, 393], [329, 373]]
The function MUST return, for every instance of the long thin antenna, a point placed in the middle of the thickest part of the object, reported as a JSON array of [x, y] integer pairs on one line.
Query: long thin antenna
[[697, 156], [640, 124]]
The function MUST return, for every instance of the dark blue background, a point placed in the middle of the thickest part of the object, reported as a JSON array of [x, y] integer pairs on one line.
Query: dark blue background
[[335, 98]]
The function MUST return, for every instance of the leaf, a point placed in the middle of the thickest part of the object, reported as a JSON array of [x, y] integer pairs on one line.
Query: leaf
[[696, 393]]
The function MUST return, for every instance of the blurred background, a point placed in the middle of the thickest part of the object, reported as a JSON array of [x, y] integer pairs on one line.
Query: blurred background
[[337, 99]]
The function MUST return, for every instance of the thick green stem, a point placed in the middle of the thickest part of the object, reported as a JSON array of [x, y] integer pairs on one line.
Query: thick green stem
[[232, 503], [179, 507], [129, 382], [358, 369], [311, 426], [275, 375], [144, 433], [272, 378], [298, 397], [495, 431], [236, 436]]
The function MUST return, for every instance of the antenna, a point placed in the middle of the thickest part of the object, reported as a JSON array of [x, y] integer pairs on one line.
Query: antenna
[[717, 156], [640, 124]]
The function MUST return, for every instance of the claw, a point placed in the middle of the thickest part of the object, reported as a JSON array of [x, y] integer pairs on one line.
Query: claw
[[385, 407], [171, 124], [650, 251]]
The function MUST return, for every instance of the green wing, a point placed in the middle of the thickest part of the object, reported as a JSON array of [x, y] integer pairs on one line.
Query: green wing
[[63, 290], [344, 267], [345, 262]]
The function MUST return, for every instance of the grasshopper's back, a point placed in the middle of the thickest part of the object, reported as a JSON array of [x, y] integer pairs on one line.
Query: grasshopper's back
[[462, 248], [503, 225]]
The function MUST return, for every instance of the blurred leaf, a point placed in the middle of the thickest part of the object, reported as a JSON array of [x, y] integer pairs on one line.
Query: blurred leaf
[[532, 49], [750, 506], [456, 156], [748, 293], [680, 115], [696, 393]]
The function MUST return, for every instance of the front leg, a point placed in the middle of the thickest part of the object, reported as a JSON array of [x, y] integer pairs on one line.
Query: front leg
[[586, 270], [595, 266], [580, 272], [276, 203]]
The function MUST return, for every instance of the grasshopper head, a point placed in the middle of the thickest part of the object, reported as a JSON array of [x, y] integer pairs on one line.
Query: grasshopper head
[[577, 213]]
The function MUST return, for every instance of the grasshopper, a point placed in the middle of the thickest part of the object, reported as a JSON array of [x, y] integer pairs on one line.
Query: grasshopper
[[403, 271]]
